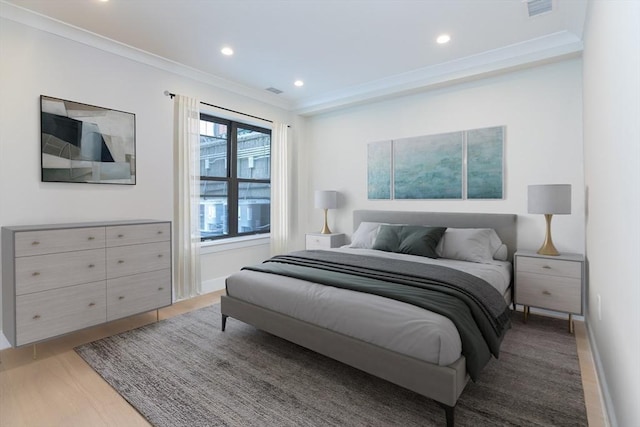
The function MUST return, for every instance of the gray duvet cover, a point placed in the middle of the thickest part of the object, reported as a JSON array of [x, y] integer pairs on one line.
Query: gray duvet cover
[[475, 307]]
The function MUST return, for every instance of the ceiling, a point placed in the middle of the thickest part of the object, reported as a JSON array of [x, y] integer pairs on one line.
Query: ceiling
[[345, 51]]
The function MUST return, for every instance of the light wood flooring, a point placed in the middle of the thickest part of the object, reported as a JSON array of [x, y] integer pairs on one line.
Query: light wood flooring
[[59, 389]]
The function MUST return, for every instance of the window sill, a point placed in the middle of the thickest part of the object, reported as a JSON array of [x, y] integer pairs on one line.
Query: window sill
[[212, 246]]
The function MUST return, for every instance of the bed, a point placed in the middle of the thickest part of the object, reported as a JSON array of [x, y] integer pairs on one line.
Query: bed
[[295, 308]]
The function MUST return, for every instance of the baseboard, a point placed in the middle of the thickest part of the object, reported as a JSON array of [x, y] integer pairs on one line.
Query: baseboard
[[213, 285], [4, 343], [607, 403]]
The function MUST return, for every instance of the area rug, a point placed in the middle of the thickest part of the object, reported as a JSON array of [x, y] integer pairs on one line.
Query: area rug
[[185, 372]]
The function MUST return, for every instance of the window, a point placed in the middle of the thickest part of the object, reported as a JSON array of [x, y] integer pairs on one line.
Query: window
[[235, 178]]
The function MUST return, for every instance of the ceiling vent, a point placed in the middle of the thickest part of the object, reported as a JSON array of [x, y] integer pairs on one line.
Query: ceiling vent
[[538, 7], [274, 90]]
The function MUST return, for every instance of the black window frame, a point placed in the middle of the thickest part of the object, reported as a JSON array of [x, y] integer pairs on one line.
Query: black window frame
[[232, 179]]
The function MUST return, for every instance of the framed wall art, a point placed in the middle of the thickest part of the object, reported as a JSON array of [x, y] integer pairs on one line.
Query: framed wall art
[[485, 163], [84, 143], [454, 166]]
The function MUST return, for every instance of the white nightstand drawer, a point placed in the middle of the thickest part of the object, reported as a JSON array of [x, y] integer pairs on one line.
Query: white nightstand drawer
[[549, 267], [324, 241], [550, 292]]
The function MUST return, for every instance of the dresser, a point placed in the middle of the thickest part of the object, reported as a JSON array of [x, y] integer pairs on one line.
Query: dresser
[[61, 278], [324, 241], [550, 282]]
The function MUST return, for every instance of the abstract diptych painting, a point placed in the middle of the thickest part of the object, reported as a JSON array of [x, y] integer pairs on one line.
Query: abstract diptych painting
[[85, 143], [456, 165]]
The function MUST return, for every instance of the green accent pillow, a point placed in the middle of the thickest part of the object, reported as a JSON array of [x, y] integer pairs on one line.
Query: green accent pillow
[[409, 239]]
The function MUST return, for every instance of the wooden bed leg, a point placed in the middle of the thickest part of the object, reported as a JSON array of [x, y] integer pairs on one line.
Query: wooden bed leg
[[224, 322], [448, 411]]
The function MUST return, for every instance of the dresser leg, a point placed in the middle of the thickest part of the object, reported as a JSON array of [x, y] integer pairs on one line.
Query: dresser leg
[[525, 310], [35, 355], [570, 323]]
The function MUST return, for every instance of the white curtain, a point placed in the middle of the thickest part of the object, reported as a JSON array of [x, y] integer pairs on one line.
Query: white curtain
[[280, 188], [187, 281]]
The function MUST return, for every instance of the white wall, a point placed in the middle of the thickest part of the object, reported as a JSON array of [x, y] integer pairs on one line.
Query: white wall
[[35, 62], [612, 174], [540, 107]]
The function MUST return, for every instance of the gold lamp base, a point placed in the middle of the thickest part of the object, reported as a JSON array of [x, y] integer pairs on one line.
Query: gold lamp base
[[547, 247], [325, 227]]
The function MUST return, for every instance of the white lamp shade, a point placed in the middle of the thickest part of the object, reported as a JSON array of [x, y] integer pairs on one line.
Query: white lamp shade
[[550, 199], [326, 199]]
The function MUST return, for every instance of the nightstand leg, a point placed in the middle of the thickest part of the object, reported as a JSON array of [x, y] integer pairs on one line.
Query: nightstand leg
[[35, 354], [525, 309], [570, 324]]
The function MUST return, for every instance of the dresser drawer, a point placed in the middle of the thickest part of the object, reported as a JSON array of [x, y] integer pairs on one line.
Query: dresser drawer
[[550, 292], [42, 242], [135, 234], [127, 260], [44, 272], [46, 314], [550, 267], [138, 293]]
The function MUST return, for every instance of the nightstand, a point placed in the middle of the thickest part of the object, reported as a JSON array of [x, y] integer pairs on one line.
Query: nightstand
[[324, 241], [549, 282]]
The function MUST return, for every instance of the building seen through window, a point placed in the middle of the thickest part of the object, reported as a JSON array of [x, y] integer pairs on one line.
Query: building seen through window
[[235, 178]]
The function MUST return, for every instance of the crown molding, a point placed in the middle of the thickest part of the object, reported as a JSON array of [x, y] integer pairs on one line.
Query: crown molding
[[534, 52], [551, 48], [47, 24]]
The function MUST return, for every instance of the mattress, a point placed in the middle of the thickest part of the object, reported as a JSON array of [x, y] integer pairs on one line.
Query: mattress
[[387, 323]]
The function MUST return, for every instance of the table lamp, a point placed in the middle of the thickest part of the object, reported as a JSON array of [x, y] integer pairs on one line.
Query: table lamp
[[549, 200], [326, 200]]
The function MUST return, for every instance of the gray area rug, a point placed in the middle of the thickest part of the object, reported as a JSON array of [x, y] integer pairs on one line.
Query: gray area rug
[[185, 372]]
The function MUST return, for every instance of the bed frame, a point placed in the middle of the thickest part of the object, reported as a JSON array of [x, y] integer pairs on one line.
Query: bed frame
[[444, 384]]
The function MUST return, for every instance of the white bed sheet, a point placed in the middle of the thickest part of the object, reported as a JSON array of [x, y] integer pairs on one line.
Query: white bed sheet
[[390, 324]]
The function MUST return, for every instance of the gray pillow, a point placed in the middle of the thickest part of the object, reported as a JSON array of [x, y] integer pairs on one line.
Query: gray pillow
[[409, 239]]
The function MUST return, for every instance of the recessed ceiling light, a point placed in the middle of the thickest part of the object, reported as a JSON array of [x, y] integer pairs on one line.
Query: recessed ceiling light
[[227, 51], [298, 83], [443, 38]]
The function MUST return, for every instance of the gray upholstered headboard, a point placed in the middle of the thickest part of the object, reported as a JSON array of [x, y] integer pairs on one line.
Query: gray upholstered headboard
[[504, 224]]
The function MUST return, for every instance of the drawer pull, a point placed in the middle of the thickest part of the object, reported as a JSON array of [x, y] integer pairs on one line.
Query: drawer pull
[[91, 304], [160, 255], [120, 297], [91, 238], [91, 265], [161, 288], [546, 293], [160, 232], [35, 273], [546, 267], [35, 242], [120, 261], [36, 317], [120, 236]]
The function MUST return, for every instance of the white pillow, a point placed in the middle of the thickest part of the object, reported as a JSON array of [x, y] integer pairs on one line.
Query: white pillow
[[365, 235], [502, 253], [472, 244]]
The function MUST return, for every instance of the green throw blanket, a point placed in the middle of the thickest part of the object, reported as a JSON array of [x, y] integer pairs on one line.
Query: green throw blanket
[[477, 309]]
